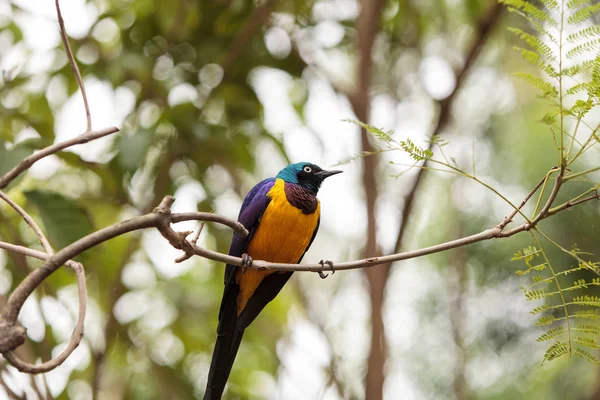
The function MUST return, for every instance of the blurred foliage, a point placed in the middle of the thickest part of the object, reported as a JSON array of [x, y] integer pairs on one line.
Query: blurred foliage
[[196, 121]]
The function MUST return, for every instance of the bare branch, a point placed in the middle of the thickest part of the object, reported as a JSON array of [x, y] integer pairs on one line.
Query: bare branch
[[12, 335], [55, 148], [74, 341], [27, 218], [65, 39], [160, 217]]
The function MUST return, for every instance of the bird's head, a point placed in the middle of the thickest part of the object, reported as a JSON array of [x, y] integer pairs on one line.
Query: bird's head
[[307, 175]]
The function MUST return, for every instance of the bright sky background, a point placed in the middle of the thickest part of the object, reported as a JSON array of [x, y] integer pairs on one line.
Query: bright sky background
[[325, 140]]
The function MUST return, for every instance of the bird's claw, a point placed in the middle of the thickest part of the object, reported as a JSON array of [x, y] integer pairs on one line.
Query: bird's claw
[[246, 262], [323, 275]]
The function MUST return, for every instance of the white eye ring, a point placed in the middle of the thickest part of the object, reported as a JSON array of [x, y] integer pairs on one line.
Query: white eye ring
[[307, 169]]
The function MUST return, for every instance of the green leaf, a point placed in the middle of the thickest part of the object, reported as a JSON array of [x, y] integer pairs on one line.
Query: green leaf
[[584, 33], [546, 87], [529, 10], [587, 356], [64, 220], [556, 350], [551, 334], [584, 13], [534, 42]]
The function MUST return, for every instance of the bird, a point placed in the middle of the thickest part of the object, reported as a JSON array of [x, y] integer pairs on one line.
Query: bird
[[282, 217]]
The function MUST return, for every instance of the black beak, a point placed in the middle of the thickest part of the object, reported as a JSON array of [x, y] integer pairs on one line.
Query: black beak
[[327, 174]]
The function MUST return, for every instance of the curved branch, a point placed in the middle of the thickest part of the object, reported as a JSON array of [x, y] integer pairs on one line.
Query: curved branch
[[158, 218], [74, 341]]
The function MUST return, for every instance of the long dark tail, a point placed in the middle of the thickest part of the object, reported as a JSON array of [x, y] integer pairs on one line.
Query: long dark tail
[[231, 326], [228, 342]]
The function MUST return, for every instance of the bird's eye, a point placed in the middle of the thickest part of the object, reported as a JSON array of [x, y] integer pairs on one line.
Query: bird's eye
[[307, 169]]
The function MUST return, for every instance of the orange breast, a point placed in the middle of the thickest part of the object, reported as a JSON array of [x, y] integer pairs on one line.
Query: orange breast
[[282, 236]]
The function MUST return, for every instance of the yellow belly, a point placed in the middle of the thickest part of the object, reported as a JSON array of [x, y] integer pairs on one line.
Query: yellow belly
[[282, 236]]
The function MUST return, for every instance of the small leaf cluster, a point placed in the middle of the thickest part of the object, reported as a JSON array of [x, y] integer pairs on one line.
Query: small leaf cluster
[[561, 313], [547, 49]]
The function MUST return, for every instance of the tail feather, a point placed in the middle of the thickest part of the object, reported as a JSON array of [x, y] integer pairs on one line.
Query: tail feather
[[226, 346], [224, 354]]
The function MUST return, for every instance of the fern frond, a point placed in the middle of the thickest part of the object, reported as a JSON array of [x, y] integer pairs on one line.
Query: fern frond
[[556, 350], [417, 153], [530, 10], [537, 279], [591, 329], [535, 43], [551, 334], [573, 4], [546, 320], [584, 33], [530, 56], [538, 267], [583, 48], [546, 87], [571, 71], [537, 294], [588, 314], [593, 301], [580, 108], [587, 342], [587, 356], [550, 117], [539, 309], [550, 4], [584, 13], [578, 88], [578, 284]]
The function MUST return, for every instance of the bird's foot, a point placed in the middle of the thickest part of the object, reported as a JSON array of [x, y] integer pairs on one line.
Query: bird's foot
[[323, 275], [246, 262]]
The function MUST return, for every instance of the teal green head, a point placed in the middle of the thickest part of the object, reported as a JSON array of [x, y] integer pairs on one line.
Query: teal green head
[[305, 174]]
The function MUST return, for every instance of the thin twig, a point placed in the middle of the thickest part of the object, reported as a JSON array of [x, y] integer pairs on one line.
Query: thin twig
[[555, 189], [65, 39], [508, 219], [186, 256], [55, 148], [29, 220], [26, 251], [570, 204]]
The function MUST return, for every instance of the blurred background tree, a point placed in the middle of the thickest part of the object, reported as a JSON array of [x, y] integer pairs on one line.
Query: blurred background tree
[[211, 97]]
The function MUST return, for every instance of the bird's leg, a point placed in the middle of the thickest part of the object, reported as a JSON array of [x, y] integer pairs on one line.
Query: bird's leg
[[246, 262], [322, 275]]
